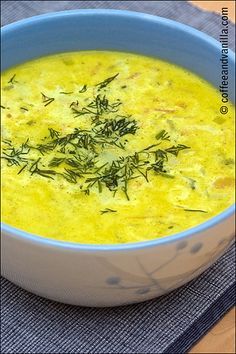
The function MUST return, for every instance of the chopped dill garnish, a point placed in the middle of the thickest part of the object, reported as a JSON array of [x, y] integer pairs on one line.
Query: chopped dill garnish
[[45, 148], [96, 107], [119, 126], [42, 172], [70, 175], [12, 80], [22, 168], [56, 161], [46, 100], [108, 210], [196, 210], [15, 156], [80, 156], [174, 150], [192, 210], [7, 141], [84, 89], [53, 133], [106, 82], [163, 135], [74, 103]]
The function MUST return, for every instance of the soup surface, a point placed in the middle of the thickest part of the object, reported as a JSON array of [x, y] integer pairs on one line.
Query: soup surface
[[108, 148]]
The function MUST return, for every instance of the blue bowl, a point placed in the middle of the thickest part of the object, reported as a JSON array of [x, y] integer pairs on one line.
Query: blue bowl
[[117, 274]]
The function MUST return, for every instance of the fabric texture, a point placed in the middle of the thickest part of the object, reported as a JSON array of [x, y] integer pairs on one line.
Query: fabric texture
[[169, 324]]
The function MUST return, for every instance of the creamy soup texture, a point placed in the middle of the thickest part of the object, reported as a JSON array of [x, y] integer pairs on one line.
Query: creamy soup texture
[[110, 148]]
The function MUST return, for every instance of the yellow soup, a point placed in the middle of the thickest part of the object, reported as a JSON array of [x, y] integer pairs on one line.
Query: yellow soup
[[108, 148]]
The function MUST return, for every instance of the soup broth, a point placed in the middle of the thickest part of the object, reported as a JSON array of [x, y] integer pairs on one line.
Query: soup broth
[[110, 148]]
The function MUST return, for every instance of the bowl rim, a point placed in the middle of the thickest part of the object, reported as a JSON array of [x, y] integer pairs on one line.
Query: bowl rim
[[49, 242]]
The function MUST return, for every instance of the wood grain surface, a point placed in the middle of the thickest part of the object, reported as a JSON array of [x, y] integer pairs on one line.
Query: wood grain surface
[[216, 6], [221, 338]]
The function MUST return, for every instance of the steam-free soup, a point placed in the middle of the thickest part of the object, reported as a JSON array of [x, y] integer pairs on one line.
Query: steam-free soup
[[108, 148]]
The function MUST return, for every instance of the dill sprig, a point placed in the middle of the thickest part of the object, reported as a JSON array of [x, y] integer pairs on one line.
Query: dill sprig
[[56, 161], [163, 135], [120, 126], [108, 210], [96, 107], [81, 157], [174, 150], [195, 210], [15, 156], [12, 80], [34, 169], [106, 82], [53, 133], [71, 175], [84, 89], [46, 100]]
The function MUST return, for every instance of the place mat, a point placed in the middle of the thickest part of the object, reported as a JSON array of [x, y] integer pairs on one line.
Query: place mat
[[169, 324]]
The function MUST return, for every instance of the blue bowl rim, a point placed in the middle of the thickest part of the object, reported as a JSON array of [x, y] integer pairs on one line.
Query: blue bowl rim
[[43, 241]]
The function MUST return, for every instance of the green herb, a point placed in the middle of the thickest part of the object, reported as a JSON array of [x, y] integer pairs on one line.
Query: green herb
[[15, 156], [54, 133], [65, 93], [174, 150], [74, 103], [108, 210], [47, 100], [149, 147], [78, 156], [96, 107], [12, 80], [7, 141], [24, 109], [3, 107], [22, 168], [55, 162], [196, 210], [106, 82], [70, 175], [42, 172], [45, 148], [119, 126], [84, 89], [163, 135]]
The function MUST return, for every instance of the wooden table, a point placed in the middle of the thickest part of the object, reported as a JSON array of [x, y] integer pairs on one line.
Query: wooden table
[[221, 338]]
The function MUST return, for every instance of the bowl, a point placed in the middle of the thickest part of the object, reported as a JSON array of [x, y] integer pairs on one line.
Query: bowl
[[112, 275]]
